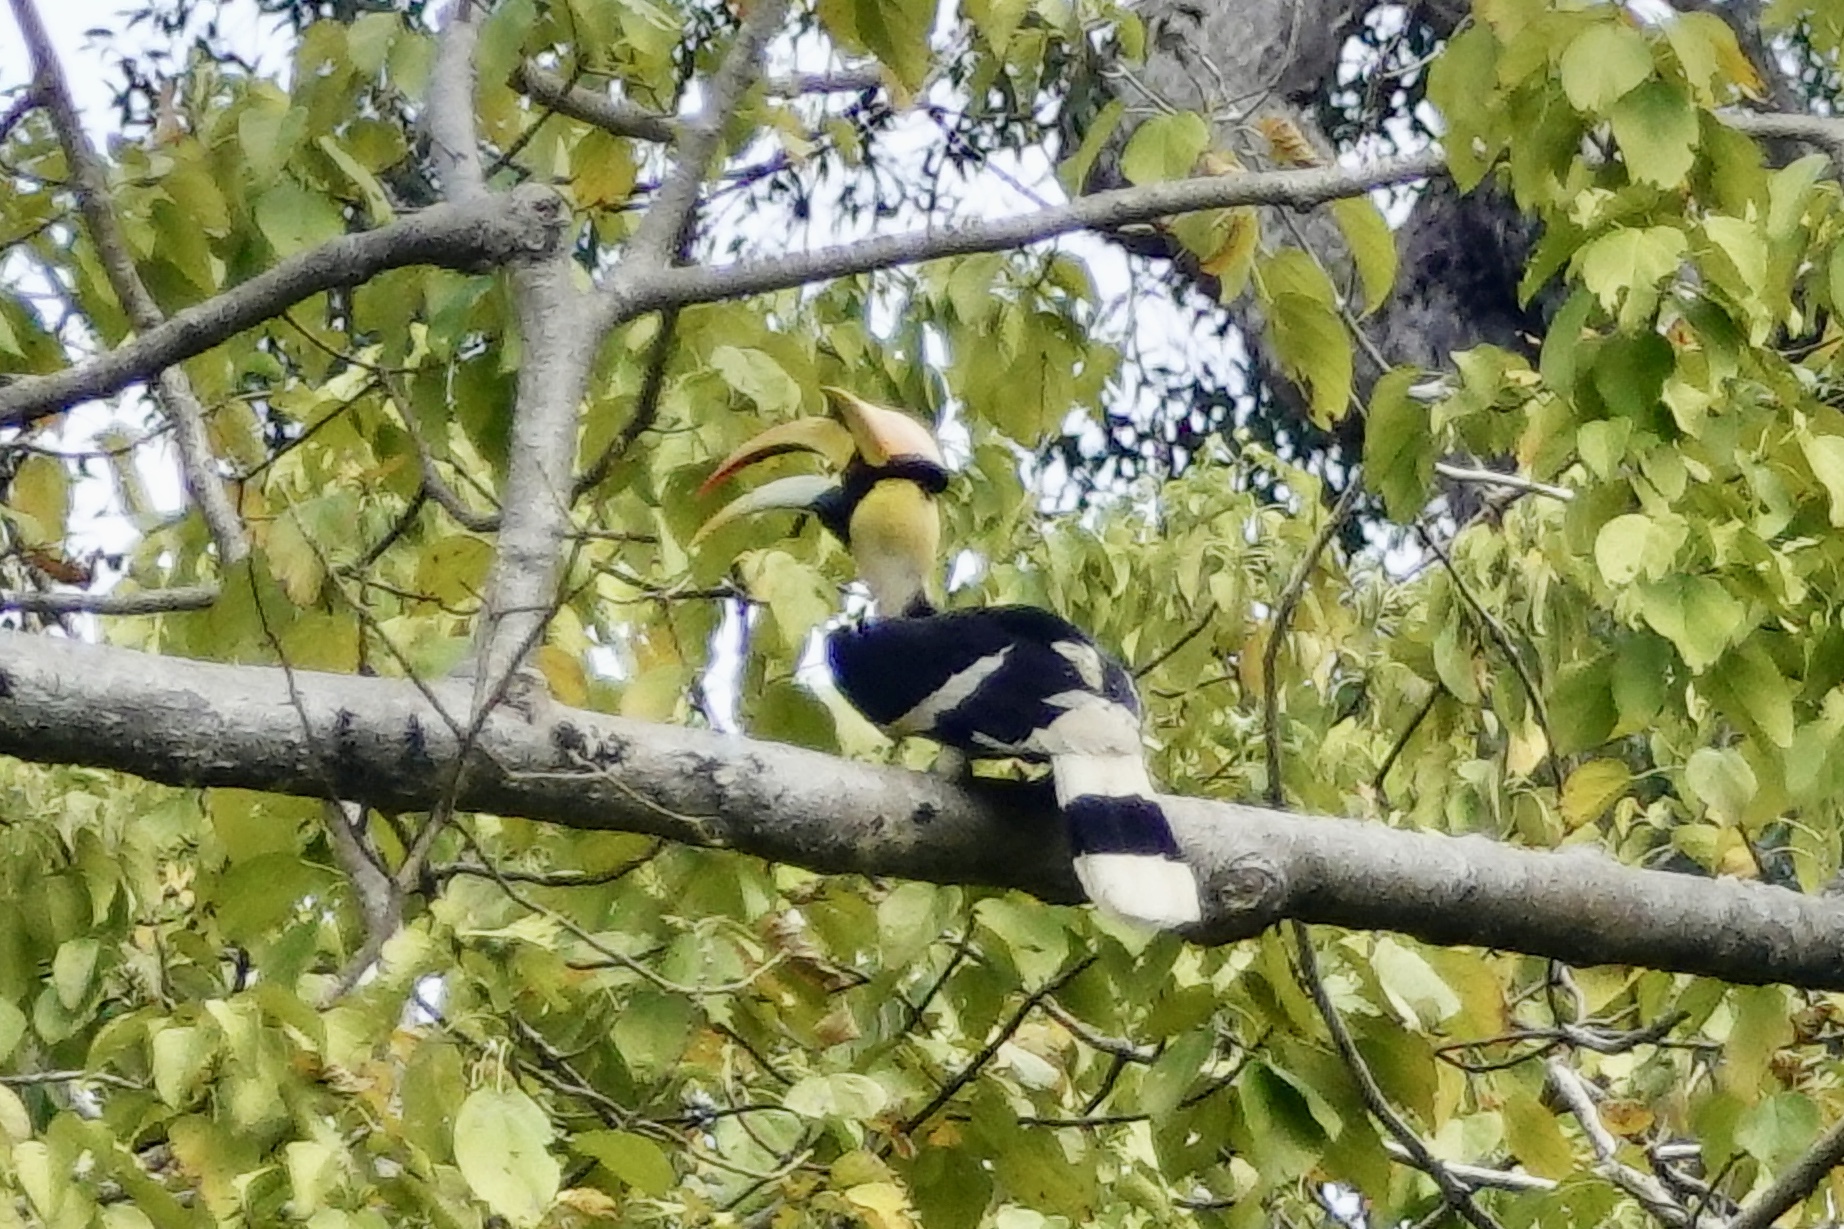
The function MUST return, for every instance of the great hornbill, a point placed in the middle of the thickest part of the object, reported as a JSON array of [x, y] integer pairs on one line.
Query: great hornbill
[[993, 681]]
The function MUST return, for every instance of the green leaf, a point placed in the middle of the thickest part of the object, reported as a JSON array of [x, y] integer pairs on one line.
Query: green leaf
[[378, 208], [12, 1028], [1165, 147], [634, 1159], [1603, 62], [1641, 677], [846, 1095], [73, 970], [1453, 662], [1398, 446], [652, 1031], [756, 375], [292, 218], [1657, 130], [1420, 997], [1723, 780], [1034, 937], [1756, 692], [603, 169], [895, 31], [501, 1146], [1825, 454], [269, 131], [1315, 351], [796, 594], [1696, 614], [1581, 707], [1636, 545], [1373, 247], [180, 1056], [1625, 266], [1174, 1072], [1591, 789], [41, 490], [1780, 1128], [1074, 171]]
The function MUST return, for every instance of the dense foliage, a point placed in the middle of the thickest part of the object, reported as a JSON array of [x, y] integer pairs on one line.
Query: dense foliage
[[572, 1026]]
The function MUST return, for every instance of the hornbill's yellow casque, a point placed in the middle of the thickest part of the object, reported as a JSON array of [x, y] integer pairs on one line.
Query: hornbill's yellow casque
[[996, 681]]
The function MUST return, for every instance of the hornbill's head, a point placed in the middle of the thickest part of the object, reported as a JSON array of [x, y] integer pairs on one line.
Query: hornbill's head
[[882, 505]]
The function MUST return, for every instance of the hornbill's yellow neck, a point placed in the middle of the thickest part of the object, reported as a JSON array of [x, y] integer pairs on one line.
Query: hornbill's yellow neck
[[895, 535], [883, 507]]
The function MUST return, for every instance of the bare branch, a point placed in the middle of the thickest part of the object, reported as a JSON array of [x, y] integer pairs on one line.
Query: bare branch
[[479, 235], [146, 602], [1646, 1190], [196, 723], [1000, 1036], [175, 391], [450, 114], [1509, 482], [834, 81], [1481, 1175], [626, 118], [640, 291], [657, 239], [379, 900], [1824, 131], [615, 115]]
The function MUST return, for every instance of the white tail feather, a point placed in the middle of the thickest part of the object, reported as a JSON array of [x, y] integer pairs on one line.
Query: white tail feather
[[1101, 776], [1139, 888]]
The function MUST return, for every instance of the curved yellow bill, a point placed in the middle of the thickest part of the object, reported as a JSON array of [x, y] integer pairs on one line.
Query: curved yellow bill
[[796, 494], [882, 435], [822, 435]]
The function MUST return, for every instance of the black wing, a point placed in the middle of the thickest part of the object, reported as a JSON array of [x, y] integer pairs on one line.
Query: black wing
[[1020, 655]]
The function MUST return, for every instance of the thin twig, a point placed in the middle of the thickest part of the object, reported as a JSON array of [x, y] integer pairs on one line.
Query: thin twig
[[1402, 741], [1509, 482], [1277, 631], [175, 393], [1454, 1191], [146, 602], [646, 407], [1000, 1036], [1501, 636]]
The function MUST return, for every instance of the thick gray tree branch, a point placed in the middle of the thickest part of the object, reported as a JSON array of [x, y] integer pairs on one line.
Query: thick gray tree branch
[[450, 118], [640, 292], [196, 461], [195, 723], [479, 235]]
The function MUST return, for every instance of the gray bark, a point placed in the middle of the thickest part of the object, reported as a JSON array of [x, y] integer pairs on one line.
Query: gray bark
[[386, 743]]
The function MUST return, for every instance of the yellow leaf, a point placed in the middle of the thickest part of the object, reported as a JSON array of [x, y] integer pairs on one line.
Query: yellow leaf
[[1290, 145], [1234, 256], [1525, 749], [1591, 789], [1626, 1118], [883, 1204], [41, 490], [563, 671]]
